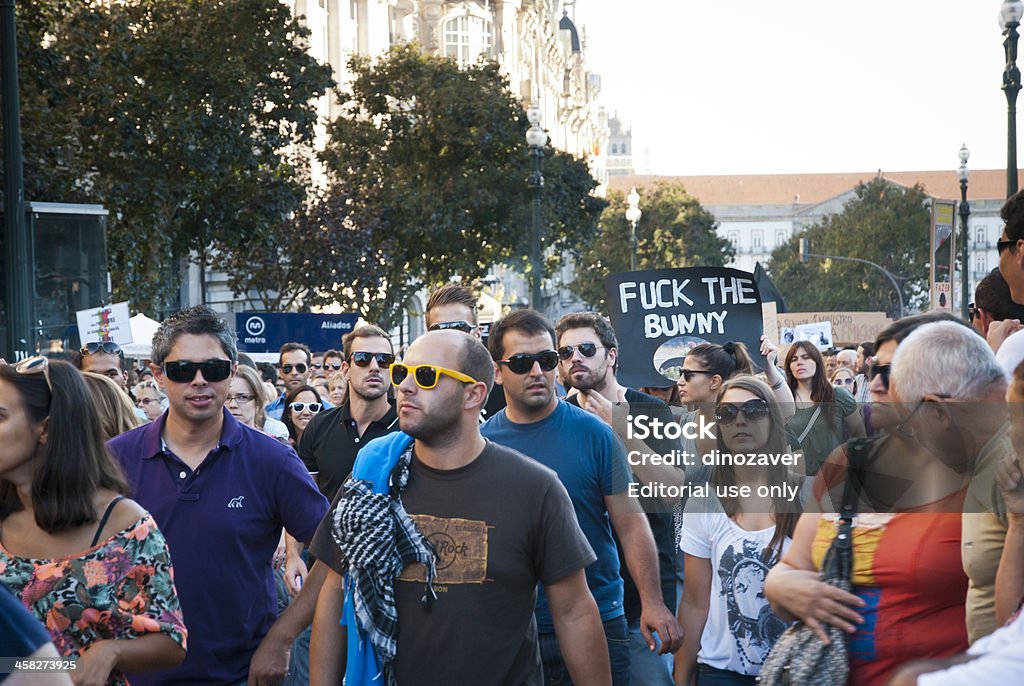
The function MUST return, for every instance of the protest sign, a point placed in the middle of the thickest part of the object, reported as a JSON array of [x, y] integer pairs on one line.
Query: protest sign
[[107, 323], [847, 327], [818, 333], [659, 315]]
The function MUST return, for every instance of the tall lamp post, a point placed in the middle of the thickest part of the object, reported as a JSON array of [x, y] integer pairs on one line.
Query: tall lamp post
[[633, 217], [536, 138], [965, 213], [1010, 13], [805, 254]]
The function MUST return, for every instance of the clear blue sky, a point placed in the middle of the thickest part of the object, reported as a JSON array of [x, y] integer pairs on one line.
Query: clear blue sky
[[789, 86]]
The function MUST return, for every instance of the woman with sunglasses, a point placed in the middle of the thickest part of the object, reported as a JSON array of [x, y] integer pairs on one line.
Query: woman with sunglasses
[[300, 407], [730, 543], [90, 564], [909, 586], [823, 412]]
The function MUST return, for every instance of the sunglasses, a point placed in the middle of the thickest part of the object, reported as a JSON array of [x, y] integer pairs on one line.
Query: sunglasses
[[184, 371], [333, 366], [847, 381], [298, 408], [300, 368], [35, 365], [1004, 245], [753, 409], [362, 359], [463, 326], [973, 312], [108, 347], [316, 365], [880, 369], [586, 350], [522, 363], [426, 376], [687, 374]]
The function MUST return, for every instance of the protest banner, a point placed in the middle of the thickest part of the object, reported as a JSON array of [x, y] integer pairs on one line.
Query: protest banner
[[848, 328], [659, 315], [818, 333], [107, 323]]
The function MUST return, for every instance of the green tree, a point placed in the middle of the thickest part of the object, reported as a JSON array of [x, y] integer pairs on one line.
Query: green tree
[[440, 151], [885, 223], [191, 121], [674, 231]]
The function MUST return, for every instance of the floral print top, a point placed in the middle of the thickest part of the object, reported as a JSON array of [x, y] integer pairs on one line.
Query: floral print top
[[121, 588]]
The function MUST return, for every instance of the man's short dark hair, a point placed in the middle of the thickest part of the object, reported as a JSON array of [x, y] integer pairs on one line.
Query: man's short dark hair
[[475, 361], [868, 347], [332, 353], [993, 295], [291, 347], [588, 320], [454, 294], [244, 359], [364, 331], [198, 321], [528, 322], [1013, 214]]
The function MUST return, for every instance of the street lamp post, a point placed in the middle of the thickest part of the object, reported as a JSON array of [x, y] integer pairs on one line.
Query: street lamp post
[[965, 213], [1010, 13], [805, 254], [536, 138], [633, 217]]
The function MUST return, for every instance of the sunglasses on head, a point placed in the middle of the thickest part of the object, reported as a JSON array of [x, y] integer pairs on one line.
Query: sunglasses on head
[[184, 371], [298, 408], [463, 326], [752, 409], [687, 374], [880, 369], [586, 350], [426, 376], [362, 359], [300, 368], [109, 347], [35, 365], [522, 363]]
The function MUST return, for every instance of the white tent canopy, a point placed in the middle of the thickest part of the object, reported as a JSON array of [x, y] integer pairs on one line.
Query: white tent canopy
[[143, 329]]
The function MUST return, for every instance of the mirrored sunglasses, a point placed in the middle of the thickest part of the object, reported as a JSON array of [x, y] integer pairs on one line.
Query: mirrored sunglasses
[[463, 326], [109, 347], [586, 350], [35, 365], [362, 359]]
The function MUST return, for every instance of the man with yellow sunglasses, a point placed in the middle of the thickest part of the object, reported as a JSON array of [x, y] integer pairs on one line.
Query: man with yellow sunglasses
[[497, 524]]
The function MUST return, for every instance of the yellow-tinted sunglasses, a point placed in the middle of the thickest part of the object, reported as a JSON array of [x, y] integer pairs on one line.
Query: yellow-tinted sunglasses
[[425, 375]]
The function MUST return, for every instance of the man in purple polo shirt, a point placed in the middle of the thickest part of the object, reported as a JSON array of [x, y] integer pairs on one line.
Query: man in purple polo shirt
[[220, 493]]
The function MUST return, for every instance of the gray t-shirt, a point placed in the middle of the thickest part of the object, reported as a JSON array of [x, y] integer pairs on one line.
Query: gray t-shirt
[[500, 525]]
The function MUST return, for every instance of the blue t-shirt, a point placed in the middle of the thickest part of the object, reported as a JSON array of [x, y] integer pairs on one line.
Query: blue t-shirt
[[21, 634], [591, 463], [222, 523]]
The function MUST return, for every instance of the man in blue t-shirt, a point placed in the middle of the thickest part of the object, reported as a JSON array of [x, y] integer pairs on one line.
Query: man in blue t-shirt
[[22, 636], [591, 464]]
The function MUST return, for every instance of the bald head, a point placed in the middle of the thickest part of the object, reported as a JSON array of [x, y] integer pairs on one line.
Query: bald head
[[454, 350]]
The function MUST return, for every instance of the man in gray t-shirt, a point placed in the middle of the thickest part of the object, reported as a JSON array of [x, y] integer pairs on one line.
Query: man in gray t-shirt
[[499, 524]]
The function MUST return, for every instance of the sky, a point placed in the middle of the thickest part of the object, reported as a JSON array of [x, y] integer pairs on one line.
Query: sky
[[802, 86]]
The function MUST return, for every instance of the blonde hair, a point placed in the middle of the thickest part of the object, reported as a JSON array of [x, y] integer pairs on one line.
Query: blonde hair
[[114, 407], [149, 385], [252, 379]]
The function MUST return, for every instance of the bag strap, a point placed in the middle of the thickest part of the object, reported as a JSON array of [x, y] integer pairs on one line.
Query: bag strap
[[104, 518], [810, 425], [843, 542]]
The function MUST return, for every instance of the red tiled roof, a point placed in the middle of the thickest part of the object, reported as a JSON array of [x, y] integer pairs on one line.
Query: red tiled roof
[[781, 189]]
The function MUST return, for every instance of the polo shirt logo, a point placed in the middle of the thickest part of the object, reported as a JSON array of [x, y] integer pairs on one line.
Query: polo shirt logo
[[236, 502]]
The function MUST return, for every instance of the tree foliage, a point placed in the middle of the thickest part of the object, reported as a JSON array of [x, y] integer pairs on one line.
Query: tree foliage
[[674, 231], [885, 223], [439, 151], [191, 121]]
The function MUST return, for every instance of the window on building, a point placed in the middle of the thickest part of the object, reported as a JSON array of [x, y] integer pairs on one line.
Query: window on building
[[615, 148], [780, 238], [734, 238], [979, 234], [756, 239], [980, 264], [466, 38]]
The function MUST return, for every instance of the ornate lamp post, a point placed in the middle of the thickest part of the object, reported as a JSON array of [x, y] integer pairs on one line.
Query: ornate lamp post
[[965, 213], [1010, 13], [536, 138], [633, 217]]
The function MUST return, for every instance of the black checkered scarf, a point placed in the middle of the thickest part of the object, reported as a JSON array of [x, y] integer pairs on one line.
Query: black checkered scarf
[[378, 539]]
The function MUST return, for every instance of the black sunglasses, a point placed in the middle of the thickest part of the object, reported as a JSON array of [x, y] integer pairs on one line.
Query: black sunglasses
[[463, 326], [687, 374], [336, 366], [109, 347], [1003, 245], [362, 359], [522, 363], [300, 368], [586, 349], [753, 409], [184, 371], [880, 369]]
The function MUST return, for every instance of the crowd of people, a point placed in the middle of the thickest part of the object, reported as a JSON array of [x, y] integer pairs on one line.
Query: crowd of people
[[462, 513]]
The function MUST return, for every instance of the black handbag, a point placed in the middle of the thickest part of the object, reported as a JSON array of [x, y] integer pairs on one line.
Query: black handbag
[[799, 658]]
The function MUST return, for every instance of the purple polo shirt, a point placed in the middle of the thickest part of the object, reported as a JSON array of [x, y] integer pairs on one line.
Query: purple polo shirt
[[222, 523]]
